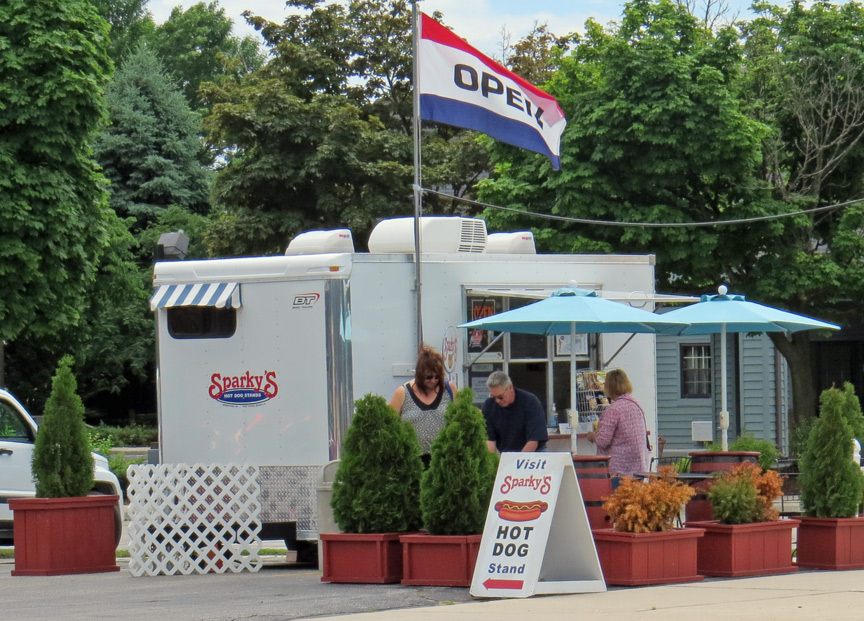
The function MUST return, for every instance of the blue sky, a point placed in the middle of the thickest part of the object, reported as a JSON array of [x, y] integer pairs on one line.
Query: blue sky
[[478, 21]]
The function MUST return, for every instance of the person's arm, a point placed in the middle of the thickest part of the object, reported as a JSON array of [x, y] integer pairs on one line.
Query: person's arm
[[606, 428], [397, 400], [491, 441], [530, 446], [491, 445]]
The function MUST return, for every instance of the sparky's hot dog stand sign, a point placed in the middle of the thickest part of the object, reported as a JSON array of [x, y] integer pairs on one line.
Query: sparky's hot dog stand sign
[[537, 539]]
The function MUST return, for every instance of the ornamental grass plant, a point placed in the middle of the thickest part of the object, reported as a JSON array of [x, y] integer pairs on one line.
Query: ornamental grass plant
[[648, 506], [745, 495], [62, 465], [832, 485], [377, 486], [456, 488]]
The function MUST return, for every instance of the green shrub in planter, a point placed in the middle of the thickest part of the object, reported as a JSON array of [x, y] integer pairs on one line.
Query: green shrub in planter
[[767, 450], [377, 486], [456, 489], [62, 464], [832, 485]]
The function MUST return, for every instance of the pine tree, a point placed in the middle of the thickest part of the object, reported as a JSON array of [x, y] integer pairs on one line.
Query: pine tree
[[62, 463], [455, 491], [150, 152], [832, 484], [377, 485]]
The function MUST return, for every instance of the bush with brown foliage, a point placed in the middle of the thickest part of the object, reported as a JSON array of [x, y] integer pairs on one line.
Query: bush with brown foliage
[[647, 506]]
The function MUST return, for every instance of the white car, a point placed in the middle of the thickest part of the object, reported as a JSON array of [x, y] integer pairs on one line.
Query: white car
[[17, 435]]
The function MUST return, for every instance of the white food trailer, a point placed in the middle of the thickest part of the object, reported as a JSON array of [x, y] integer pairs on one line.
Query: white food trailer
[[261, 359]]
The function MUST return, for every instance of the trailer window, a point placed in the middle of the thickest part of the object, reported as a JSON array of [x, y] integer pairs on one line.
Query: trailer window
[[201, 322]]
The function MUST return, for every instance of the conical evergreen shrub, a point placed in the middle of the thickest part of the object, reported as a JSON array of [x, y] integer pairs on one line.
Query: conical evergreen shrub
[[456, 488], [62, 464], [832, 485], [377, 485]]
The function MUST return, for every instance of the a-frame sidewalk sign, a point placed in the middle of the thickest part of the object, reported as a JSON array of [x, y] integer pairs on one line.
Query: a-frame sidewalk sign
[[537, 539]]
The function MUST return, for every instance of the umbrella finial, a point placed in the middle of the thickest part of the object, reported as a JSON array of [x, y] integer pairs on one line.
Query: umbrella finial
[[722, 289]]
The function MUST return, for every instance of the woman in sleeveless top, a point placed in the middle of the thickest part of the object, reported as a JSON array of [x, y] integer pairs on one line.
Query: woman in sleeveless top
[[423, 400]]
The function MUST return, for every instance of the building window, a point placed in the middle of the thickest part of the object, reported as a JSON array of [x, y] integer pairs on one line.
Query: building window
[[695, 371]]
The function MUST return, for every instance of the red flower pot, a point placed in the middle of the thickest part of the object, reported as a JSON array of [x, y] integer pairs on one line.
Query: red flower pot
[[736, 550], [361, 558], [639, 559], [58, 536], [831, 543], [439, 560]]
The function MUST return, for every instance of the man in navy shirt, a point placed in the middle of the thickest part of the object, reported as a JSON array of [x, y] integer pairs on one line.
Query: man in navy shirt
[[515, 420]]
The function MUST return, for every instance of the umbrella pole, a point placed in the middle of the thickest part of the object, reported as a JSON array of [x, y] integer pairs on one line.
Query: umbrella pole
[[724, 412], [574, 414]]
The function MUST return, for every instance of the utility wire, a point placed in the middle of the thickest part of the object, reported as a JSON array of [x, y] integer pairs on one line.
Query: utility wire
[[549, 216]]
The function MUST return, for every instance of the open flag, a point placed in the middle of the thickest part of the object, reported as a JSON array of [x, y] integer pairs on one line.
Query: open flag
[[461, 86]]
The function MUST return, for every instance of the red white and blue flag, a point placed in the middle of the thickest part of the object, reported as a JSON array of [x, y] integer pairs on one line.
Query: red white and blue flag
[[462, 87]]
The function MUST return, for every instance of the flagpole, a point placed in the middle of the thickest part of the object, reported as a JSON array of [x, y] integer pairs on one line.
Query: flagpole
[[417, 187]]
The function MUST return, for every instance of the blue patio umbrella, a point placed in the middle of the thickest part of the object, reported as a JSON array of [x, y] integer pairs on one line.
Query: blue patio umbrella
[[576, 311], [724, 313]]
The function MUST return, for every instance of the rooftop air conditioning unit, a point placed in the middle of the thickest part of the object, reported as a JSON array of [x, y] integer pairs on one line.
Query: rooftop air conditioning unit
[[321, 242], [438, 234], [521, 242]]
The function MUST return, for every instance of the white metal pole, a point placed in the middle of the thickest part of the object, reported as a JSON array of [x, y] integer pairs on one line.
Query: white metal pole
[[724, 410], [418, 194]]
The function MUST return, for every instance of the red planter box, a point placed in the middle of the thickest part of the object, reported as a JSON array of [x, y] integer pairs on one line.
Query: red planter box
[[737, 550], [59, 536], [831, 543], [439, 560], [639, 559], [370, 558]]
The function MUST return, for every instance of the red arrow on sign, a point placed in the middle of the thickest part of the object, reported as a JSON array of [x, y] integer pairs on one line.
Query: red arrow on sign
[[503, 584]]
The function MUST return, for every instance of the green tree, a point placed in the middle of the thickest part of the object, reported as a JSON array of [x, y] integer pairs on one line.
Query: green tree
[[377, 485], [195, 45], [130, 22], [62, 463], [53, 67], [114, 339], [832, 484], [455, 490], [150, 151]]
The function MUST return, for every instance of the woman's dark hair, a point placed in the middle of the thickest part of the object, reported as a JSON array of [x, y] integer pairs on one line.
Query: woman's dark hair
[[429, 362]]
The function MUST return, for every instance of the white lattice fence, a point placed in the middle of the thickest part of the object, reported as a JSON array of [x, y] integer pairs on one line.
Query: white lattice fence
[[196, 518]]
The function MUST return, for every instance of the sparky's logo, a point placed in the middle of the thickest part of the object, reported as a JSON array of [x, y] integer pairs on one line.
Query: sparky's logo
[[305, 300]]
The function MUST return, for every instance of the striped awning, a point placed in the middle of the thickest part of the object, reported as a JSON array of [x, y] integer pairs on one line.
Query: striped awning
[[217, 294]]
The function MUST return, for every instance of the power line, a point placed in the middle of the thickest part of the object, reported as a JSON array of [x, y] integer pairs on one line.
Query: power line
[[549, 216]]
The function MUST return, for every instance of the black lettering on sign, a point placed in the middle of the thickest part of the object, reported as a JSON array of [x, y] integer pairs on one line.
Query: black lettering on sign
[[514, 98], [460, 73], [491, 85]]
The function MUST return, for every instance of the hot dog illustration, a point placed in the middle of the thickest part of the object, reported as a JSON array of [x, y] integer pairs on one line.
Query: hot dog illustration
[[513, 511]]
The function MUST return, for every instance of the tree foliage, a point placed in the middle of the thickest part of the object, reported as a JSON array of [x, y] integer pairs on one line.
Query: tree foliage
[[320, 137], [130, 22], [53, 68], [195, 45], [455, 491], [150, 152], [377, 485], [832, 484], [62, 463]]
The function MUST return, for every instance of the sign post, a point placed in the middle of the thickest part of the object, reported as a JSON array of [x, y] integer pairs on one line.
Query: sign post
[[537, 539]]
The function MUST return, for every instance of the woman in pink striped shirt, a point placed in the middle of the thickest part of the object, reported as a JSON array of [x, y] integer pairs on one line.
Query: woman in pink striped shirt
[[621, 432]]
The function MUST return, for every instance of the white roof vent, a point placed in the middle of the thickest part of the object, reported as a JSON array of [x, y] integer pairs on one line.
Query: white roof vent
[[521, 242], [438, 234], [321, 242]]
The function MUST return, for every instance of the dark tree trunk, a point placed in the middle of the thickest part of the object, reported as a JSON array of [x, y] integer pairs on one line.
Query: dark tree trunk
[[796, 350]]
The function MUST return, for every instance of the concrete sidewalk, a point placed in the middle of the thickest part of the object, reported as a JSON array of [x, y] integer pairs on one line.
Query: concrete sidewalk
[[805, 595]]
